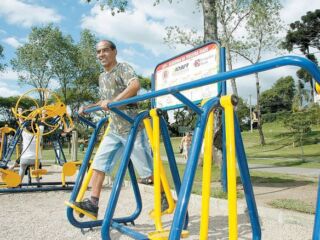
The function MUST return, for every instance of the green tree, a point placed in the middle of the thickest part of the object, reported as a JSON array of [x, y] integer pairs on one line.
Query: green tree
[[32, 59], [279, 97], [262, 27], [305, 35], [62, 59], [300, 96], [243, 113], [84, 87], [6, 105], [306, 77], [299, 124], [145, 84]]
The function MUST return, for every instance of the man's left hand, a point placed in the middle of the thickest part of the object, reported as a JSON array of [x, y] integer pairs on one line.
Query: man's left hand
[[104, 104]]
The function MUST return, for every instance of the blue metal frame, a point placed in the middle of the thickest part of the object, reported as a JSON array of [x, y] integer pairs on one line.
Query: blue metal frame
[[58, 149], [97, 128], [119, 178], [223, 87], [191, 165], [246, 182]]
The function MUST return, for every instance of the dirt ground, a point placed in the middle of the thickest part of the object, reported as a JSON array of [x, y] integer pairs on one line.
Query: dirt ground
[[42, 215]]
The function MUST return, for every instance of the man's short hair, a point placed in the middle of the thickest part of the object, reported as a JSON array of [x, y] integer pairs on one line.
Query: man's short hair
[[112, 45]]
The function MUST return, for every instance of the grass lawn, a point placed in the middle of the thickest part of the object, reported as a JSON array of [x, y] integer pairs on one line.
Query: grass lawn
[[279, 149]]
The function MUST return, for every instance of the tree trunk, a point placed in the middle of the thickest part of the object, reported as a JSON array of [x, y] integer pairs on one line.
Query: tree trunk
[[259, 125], [209, 20], [233, 80]]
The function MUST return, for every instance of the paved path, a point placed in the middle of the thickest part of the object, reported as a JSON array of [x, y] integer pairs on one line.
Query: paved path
[[42, 216], [309, 172]]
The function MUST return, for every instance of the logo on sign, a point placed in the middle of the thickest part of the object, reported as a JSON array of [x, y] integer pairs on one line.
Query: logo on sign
[[181, 67]]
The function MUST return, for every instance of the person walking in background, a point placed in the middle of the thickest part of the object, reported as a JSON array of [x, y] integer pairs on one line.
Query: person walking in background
[[186, 145]]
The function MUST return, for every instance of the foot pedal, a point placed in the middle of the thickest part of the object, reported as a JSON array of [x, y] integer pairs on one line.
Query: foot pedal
[[80, 211], [69, 169], [38, 172], [10, 178]]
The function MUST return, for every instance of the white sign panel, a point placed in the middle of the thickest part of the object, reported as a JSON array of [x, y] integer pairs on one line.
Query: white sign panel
[[196, 64]]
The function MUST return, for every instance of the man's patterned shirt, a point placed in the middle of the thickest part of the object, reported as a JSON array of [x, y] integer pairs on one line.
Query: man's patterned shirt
[[111, 84]]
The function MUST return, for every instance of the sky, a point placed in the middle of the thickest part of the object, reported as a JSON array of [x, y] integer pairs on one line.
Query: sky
[[139, 33]]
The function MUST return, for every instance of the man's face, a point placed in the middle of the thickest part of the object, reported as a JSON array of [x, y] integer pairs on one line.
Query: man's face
[[105, 54]]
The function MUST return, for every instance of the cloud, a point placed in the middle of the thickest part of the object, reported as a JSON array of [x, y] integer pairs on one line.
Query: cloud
[[9, 75], [143, 24], [18, 12], [12, 42], [294, 9], [6, 91]]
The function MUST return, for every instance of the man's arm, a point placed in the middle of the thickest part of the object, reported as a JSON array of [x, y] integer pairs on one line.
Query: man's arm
[[83, 108], [130, 91]]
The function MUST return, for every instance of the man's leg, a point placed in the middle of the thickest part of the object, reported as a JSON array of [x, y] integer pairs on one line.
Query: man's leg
[[104, 161], [91, 205], [143, 162], [97, 182], [141, 156]]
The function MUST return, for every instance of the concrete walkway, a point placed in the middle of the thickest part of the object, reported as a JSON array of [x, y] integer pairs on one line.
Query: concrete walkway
[[308, 172], [42, 216]]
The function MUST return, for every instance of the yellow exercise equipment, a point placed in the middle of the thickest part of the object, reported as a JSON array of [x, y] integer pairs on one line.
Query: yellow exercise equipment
[[159, 179], [48, 109], [318, 88], [10, 178], [227, 103], [206, 176]]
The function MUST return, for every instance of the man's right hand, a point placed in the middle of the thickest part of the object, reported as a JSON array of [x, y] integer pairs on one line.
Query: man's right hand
[[81, 110]]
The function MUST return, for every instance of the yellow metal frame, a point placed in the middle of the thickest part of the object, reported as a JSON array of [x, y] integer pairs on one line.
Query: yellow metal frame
[[10, 178], [36, 172], [226, 103], [318, 88], [206, 176], [159, 179], [58, 108]]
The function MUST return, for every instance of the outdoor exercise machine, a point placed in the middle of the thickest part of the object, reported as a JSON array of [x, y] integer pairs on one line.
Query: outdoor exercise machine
[[49, 111], [83, 180], [170, 87]]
